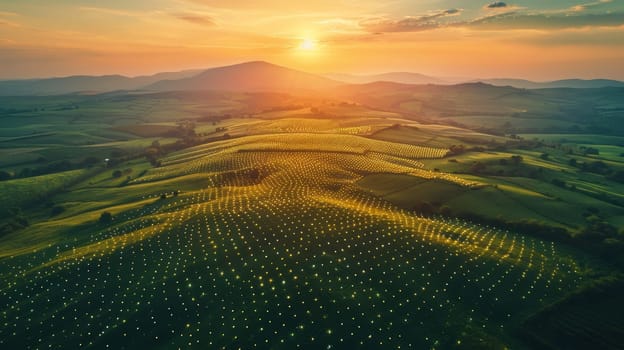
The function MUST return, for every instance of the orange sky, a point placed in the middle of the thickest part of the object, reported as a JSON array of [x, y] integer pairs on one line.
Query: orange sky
[[527, 39]]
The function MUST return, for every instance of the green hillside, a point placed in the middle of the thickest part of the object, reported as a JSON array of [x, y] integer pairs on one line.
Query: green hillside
[[271, 241]]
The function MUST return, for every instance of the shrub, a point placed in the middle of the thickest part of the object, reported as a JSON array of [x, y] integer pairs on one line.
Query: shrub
[[478, 167], [424, 208], [516, 159], [5, 175], [106, 217], [590, 150], [57, 209], [90, 161], [618, 176], [456, 149], [446, 210]]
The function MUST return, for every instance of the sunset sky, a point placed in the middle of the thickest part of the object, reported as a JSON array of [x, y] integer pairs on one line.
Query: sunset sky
[[534, 39]]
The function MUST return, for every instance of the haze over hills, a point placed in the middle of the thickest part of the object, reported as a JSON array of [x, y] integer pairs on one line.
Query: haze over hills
[[396, 77], [257, 76], [249, 76], [421, 79], [565, 83], [83, 83]]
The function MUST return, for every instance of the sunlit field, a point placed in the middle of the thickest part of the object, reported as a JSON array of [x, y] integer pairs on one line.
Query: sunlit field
[[269, 241]]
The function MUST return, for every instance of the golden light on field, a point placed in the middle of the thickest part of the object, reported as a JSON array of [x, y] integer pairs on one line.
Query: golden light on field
[[279, 222]]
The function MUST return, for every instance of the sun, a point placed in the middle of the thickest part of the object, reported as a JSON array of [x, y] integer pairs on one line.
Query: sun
[[307, 44]]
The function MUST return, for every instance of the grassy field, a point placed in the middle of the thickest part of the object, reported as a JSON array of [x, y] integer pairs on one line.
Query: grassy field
[[276, 228], [15, 193], [58, 128], [298, 229], [509, 122]]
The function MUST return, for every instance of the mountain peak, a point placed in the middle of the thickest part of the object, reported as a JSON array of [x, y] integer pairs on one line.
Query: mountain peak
[[250, 76], [255, 64]]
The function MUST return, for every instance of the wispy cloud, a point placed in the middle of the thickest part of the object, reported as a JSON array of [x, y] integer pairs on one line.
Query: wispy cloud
[[407, 24], [546, 20], [110, 11], [7, 23], [496, 5], [585, 7], [597, 37], [8, 14], [499, 7], [195, 18]]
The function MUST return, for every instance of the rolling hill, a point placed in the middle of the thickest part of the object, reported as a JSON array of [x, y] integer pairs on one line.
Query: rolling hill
[[484, 105], [249, 76], [421, 79], [565, 83], [83, 83], [331, 225], [272, 241]]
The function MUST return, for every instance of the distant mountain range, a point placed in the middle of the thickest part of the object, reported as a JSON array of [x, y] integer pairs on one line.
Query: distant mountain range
[[566, 83], [395, 77], [255, 77], [83, 83]]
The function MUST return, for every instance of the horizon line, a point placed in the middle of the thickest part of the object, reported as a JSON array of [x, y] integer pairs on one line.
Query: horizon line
[[456, 79]]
